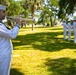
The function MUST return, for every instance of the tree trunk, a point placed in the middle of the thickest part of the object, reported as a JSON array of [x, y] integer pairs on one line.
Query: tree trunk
[[51, 21], [55, 20], [32, 11]]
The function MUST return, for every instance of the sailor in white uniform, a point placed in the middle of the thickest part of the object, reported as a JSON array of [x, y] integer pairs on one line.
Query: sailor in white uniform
[[74, 27], [69, 30], [64, 29], [5, 42]]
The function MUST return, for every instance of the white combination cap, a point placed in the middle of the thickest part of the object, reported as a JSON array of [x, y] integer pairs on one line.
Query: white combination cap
[[2, 7]]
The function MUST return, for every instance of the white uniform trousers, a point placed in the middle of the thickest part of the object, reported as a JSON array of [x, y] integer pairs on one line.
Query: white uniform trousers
[[75, 35], [5, 62], [69, 34], [64, 33]]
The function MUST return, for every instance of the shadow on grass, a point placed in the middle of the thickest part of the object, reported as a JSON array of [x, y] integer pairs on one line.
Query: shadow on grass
[[15, 72], [47, 41], [61, 66], [57, 29]]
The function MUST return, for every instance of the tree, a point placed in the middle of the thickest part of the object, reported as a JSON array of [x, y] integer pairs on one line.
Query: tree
[[53, 6], [49, 11], [33, 5], [45, 15], [4, 2], [14, 8], [66, 7]]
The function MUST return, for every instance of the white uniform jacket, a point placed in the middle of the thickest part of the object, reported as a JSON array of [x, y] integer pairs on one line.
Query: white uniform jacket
[[65, 26], [6, 47], [74, 26], [69, 26]]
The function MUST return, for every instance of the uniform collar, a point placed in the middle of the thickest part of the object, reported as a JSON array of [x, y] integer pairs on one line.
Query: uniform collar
[[5, 25]]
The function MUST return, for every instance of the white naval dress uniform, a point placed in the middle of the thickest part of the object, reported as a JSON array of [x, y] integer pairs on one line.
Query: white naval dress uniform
[[69, 31], [64, 29], [74, 27], [6, 47]]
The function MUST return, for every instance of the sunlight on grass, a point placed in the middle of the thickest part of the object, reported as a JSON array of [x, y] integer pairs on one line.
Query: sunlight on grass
[[43, 52]]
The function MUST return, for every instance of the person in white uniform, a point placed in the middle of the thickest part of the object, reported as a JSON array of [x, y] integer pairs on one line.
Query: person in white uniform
[[5, 42], [64, 29], [74, 27], [69, 30]]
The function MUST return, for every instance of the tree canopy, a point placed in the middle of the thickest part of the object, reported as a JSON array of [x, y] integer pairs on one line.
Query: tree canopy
[[50, 9], [4, 2], [66, 7], [14, 8]]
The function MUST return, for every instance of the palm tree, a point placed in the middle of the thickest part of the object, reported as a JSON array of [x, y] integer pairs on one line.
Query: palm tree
[[4, 2], [33, 5]]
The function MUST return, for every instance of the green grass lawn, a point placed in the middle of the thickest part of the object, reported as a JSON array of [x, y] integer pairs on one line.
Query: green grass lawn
[[43, 52]]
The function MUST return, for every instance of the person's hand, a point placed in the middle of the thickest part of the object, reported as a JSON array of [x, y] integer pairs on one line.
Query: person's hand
[[18, 20]]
